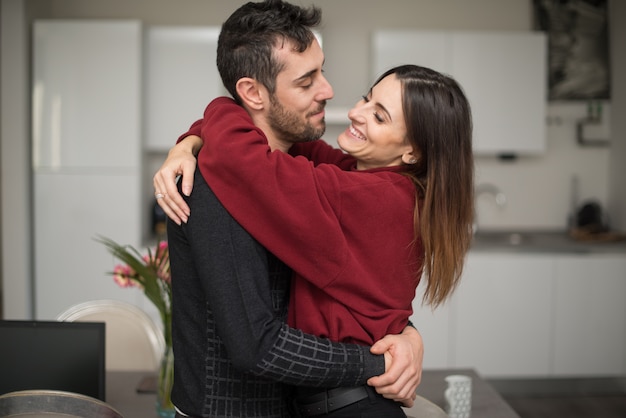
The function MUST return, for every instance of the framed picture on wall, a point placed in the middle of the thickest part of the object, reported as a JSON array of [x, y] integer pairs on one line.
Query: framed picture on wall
[[578, 48]]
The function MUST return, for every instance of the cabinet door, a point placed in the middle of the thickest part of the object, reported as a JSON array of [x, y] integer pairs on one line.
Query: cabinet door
[[590, 336], [397, 47], [182, 79], [70, 210], [86, 94], [501, 322], [504, 78], [502, 73]]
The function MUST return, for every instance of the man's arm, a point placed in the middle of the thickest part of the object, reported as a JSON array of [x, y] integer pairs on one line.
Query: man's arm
[[258, 340], [232, 269]]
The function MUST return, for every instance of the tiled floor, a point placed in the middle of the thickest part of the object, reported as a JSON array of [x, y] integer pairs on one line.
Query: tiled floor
[[565, 398]]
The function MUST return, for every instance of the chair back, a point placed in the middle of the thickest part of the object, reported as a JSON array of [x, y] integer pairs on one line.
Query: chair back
[[133, 340], [423, 408], [53, 404]]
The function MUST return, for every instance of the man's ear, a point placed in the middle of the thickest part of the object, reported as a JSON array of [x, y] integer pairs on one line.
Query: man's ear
[[252, 93]]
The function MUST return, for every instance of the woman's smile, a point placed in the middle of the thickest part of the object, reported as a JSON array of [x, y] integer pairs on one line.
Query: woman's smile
[[355, 133]]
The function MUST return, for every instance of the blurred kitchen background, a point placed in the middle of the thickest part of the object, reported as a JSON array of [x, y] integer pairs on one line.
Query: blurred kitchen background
[[541, 154]]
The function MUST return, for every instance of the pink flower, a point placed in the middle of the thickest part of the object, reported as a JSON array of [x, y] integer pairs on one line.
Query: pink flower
[[150, 273], [124, 276]]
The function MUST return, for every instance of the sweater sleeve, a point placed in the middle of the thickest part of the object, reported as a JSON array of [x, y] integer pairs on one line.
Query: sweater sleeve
[[321, 153], [232, 269], [291, 206], [317, 151]]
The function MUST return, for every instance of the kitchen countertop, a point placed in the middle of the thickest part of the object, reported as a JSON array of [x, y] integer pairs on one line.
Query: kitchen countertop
[[558, 242]]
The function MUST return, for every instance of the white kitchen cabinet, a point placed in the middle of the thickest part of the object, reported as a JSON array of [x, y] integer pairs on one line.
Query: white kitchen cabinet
[[70, 210], [502, 315], [86, 115], [86, 92], [181, 80], [590, 316], [502, 73], [518, 315]]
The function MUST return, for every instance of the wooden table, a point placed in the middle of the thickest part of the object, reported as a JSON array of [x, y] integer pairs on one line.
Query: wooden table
[[486, 402], [121, 394]]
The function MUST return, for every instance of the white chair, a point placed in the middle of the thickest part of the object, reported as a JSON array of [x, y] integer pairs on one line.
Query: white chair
[[133, 340], [423, 408], [52, 404]]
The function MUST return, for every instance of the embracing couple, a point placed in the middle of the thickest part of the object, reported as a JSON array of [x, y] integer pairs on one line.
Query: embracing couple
[[294, 265]]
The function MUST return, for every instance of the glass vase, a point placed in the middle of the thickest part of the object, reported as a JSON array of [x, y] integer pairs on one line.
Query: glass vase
[[165, 407]]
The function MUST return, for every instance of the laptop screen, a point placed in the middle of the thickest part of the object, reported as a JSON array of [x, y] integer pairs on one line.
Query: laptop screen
[[55, 355]]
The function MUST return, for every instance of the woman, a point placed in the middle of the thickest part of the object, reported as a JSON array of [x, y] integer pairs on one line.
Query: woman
[[402, 209]]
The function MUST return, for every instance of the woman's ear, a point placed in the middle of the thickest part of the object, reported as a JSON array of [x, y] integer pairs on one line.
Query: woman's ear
[[251, 92], [410, 157]]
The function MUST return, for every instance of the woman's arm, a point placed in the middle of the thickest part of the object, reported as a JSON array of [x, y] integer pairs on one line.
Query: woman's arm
[[180, 165], [181, 162], [319, 152], [289, 203]]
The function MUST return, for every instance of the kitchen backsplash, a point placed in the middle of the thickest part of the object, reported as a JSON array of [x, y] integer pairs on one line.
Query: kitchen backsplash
[[540, 190]]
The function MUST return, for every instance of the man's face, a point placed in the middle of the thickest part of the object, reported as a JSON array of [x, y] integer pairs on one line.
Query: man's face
[[296, 111]]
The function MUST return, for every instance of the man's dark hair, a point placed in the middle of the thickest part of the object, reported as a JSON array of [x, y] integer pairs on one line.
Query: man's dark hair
[[248, 36]]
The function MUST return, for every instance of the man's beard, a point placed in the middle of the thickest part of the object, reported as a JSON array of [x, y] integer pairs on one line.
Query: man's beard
[[288, 127]]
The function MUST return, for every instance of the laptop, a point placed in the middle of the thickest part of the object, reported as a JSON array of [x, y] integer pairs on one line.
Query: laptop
[[55, 355]]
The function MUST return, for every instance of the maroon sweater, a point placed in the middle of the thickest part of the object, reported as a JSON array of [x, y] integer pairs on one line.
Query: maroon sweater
[[348, 235]]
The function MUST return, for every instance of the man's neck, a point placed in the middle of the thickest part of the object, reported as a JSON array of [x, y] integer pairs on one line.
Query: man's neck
[[276, 145], [273, 141]]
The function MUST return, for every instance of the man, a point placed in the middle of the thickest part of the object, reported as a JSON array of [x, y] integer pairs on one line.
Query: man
[[234, 354]]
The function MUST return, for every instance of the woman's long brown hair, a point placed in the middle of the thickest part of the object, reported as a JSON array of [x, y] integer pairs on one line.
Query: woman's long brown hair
[[439, 127]]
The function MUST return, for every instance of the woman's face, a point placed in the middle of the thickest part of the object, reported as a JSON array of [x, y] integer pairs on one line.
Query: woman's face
[[377, 136]]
